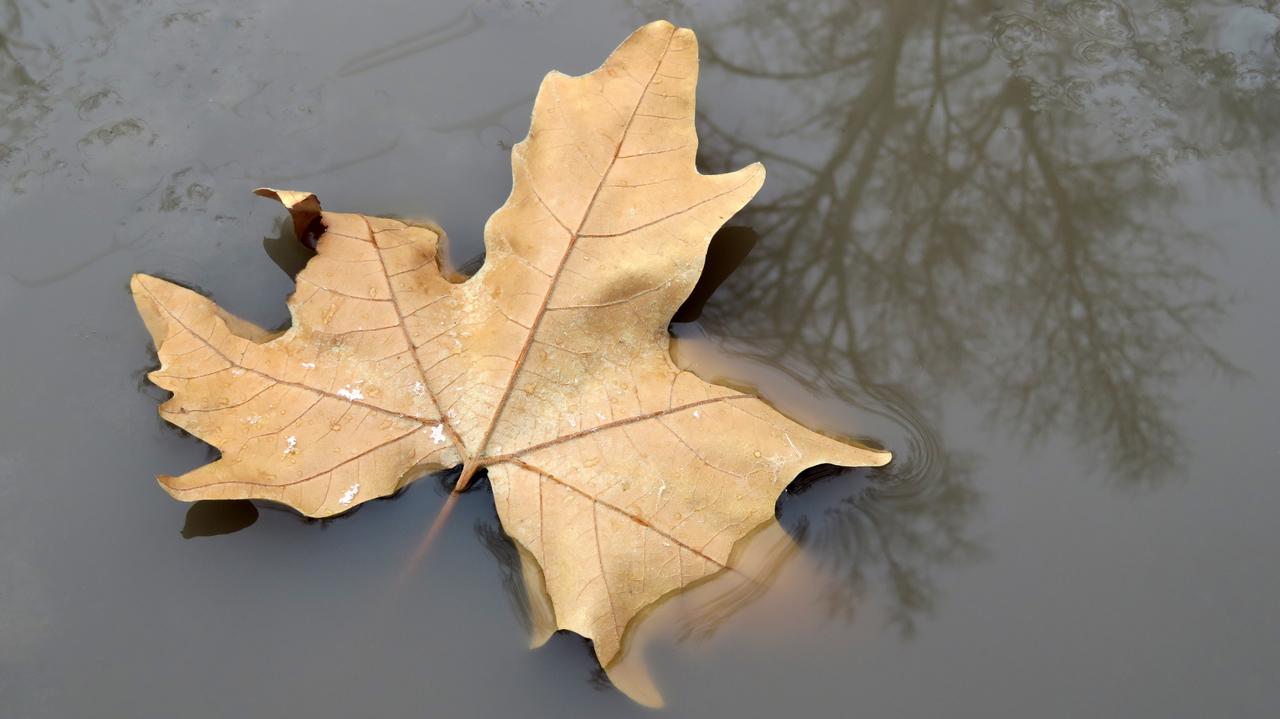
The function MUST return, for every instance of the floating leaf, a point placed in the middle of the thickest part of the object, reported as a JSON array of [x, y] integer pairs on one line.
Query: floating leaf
[[623, 477]]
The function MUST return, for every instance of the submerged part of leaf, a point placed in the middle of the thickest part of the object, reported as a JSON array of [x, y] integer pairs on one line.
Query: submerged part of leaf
[[622, 476]]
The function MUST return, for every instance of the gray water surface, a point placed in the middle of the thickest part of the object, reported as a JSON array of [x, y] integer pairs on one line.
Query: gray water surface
[[1031, 247]]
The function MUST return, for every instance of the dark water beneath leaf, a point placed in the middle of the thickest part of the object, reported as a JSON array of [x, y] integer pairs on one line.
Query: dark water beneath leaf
[[1029, 246]]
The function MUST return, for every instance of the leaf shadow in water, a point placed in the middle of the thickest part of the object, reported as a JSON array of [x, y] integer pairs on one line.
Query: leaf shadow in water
[[209, 518]]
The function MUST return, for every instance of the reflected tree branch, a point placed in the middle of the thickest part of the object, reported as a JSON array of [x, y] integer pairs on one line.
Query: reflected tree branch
[[989, 195]]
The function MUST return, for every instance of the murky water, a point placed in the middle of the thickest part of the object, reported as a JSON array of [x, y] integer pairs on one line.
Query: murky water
[[1029, 246]]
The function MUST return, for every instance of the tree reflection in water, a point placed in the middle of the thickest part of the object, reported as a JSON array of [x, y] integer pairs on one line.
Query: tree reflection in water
[[964, 196], [989, 199]]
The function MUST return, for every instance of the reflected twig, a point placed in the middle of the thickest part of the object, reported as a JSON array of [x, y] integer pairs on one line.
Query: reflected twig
[[980, 202]]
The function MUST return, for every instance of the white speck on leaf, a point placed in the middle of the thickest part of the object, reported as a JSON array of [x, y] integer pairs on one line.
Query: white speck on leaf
[[697, 414], [291, 444], [308, 365], [253, 419], [350, 494], [437, 433], [419, 389], [351, 394]]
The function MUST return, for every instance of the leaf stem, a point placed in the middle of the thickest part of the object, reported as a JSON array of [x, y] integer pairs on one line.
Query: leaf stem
[[468, 471], [430, 537]]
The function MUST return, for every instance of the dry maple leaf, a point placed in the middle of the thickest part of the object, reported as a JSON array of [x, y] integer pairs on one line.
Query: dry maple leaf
[[623, 476]]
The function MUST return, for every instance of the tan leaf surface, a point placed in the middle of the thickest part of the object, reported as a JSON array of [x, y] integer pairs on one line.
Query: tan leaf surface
[[623, 476]]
